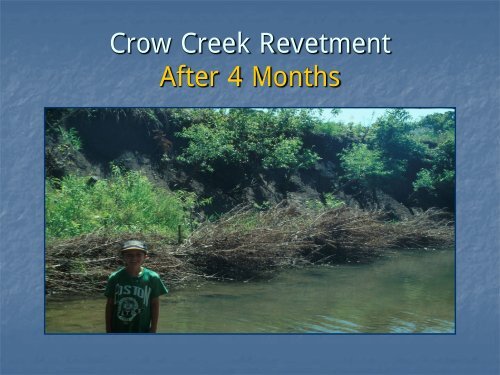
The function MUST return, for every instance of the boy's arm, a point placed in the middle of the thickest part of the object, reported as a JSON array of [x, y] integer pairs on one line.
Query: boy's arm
[[155, 313], [109, 313]]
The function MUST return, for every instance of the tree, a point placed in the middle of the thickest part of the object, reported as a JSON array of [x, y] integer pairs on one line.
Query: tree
[[363, 165], [435, 181], [243, 137]]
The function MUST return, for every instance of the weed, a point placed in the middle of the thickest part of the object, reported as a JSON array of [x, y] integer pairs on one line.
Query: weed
[[69, 138], [125, 202]]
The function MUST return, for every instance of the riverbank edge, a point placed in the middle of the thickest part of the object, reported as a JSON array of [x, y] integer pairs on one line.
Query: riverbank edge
[[245, 245]]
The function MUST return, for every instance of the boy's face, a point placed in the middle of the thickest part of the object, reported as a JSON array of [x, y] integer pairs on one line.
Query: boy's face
[[133, 258]]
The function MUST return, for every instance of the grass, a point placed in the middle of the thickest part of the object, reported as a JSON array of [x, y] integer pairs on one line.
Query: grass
[[126, 202]]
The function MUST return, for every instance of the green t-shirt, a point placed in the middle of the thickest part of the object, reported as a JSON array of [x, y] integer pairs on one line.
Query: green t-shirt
[[132, 299]]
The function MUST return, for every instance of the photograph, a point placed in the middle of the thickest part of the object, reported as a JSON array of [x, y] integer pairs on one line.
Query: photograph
[[249, 220]]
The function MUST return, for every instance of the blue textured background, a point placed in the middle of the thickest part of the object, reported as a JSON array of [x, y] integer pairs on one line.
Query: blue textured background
[[446, 54]]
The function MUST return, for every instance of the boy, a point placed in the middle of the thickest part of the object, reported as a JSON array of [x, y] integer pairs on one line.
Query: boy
[[133, 293]]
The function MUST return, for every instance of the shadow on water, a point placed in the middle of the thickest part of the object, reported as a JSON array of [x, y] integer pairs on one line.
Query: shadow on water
[[407, 291]]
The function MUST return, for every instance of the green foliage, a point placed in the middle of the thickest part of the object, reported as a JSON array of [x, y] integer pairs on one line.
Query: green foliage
[[332, 202], [209, 143], [329, 201], [289, 153], [345, 132], [362, 164], [332, 128], [414, 161], [437, 177], [270, 139], [191, 204], [433, 180], [403, 156], [424, 180], [125, 202], [69, 139], [394, 136]]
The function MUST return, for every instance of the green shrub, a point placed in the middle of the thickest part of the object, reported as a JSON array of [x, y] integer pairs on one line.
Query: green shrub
[[424, 180], [363, 164], [289, 153], [124, 202], [69, 138], [331, 201], [248, 137]]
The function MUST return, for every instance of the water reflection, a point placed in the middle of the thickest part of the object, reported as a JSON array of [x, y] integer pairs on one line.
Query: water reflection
[[408, 291]]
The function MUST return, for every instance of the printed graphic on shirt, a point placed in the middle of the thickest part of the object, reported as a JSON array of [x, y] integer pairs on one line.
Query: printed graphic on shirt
[[128, 308]]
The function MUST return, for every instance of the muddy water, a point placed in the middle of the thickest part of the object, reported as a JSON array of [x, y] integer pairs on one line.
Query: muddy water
[[407, 291]]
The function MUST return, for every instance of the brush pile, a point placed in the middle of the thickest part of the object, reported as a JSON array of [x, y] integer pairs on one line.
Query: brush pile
[[246, 244], [81, 265]]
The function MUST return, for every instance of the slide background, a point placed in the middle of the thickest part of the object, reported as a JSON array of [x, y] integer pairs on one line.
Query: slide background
[[445, 54]]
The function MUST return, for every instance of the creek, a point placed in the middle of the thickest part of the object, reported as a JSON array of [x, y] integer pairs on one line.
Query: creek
[[406, 291]]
